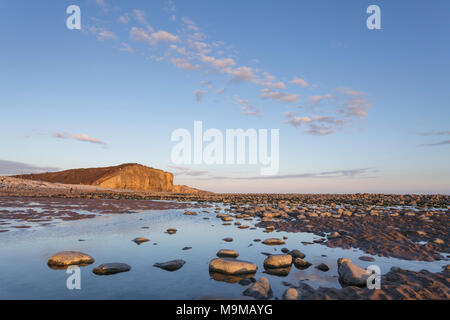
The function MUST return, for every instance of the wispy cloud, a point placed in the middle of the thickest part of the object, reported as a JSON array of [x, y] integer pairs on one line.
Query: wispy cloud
[[86, 138], [15, 168], [436, 133], [299, 82], [199, 94], [180, 171], [267, 93], [436, 143], [246, 107]]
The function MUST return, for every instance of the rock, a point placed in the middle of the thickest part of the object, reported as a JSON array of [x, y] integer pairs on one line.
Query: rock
[[297, 254], [187, 248], [334, 235], [111, 268], [259, 290], [281, 272], [232, 266], [140, 240], [245, 282], [350, 274], [190, 213], [301, 263], [257, 240], [227, 253], [285, 250], [438, 241], [278, 261], [68, 258], [227, 239], [273, 242], [290, 294], [323, 267], [172, 265], [171, 231], [366, 258]]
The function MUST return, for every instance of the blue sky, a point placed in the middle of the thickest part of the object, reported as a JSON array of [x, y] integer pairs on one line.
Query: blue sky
[[358, 110]]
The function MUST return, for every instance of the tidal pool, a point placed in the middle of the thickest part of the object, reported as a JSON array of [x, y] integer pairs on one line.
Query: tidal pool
[[108, 238]]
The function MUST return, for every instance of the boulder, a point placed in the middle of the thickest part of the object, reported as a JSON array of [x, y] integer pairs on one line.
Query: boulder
[[278, 261], [297, 254], [350, 274], [301, 263], [68, 258], [259, 290], [232, 266]]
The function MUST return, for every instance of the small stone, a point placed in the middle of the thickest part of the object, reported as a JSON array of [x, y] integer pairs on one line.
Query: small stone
[[301, 263], [171, 231], [227, 239], [285, 250], [366, 258], [187, 248], [111, 268], [190, 213], [140, 240], [438, 241], [323, 267], [227, 253], [297, 254], [172, 265]]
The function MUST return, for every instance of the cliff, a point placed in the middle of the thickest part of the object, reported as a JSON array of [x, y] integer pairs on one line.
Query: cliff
[[130, 176]]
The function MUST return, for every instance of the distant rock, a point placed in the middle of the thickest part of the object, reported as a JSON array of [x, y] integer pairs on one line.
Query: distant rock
[[171, 231], [111, 268], [68, 258], [170, 265], [259, 290], [227, 239], [366, 258]]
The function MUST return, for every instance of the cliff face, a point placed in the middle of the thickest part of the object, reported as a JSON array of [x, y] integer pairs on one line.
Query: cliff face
[[126, 176]]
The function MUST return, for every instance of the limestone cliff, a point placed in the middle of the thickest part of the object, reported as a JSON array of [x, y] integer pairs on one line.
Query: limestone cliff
[[129, 176]]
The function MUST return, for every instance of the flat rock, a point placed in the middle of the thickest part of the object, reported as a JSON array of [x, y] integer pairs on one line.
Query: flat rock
[[111, 268], [172, 265], [68, 258], [366, 258], [278, 261], [259, 290], [232, 266], [350, 274], [227, 253], [171, 231], [273, 242], [227, 239]]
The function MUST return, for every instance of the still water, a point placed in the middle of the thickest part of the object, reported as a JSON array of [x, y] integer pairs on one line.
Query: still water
[[108, 238]]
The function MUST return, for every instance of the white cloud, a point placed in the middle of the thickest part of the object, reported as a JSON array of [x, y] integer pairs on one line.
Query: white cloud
[[86, 138], [278, 96], [299, 82]]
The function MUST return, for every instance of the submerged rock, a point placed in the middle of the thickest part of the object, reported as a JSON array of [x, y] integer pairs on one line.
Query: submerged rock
[[227, 253], [232, 266], [111, 268], [350, 274], [278, 261], [259, 290], [172, 265], [68, 258]]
